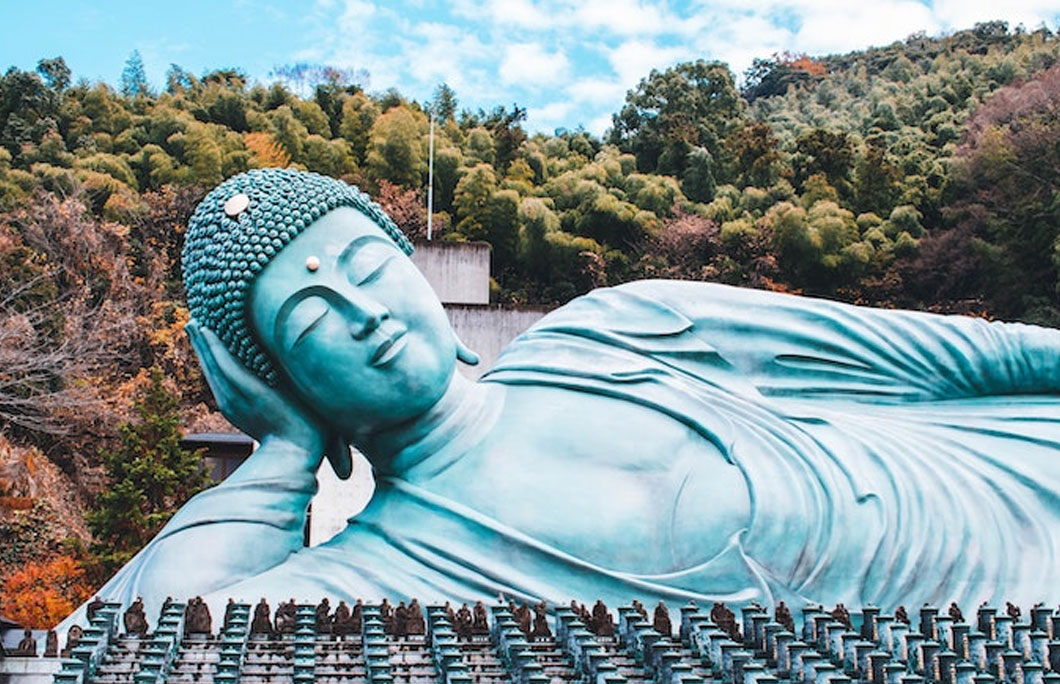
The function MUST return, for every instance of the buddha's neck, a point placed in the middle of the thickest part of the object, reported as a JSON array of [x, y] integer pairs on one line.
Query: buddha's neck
[[421, 448]]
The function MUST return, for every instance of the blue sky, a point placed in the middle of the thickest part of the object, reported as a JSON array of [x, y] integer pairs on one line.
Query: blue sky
[[568, 62]]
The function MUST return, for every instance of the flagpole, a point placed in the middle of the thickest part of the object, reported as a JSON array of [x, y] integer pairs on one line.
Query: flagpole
[[430, 178]]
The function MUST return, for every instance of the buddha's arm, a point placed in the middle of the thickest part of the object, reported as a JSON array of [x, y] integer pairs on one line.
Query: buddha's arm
[[247, 524], [789, 345]]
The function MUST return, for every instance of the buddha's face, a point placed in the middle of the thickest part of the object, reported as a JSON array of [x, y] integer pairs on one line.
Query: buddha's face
[[353, 325]]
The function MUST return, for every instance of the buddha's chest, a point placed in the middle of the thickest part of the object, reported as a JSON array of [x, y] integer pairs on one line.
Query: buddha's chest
[[610, 481]]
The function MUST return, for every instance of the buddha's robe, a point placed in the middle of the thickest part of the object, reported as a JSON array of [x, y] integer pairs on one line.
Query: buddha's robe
[[891, 457]]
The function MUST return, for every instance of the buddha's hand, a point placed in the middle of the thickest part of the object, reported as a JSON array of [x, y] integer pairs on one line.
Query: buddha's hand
[[247, 402]]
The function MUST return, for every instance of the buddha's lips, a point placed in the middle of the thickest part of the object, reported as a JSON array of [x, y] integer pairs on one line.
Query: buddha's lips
[[389, 348]]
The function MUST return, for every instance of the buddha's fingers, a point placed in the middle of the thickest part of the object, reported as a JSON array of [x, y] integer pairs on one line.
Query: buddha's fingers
[[214, 377], [261, 411]]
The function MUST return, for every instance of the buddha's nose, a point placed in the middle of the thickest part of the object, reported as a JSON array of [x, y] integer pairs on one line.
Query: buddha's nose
[[371, 316]]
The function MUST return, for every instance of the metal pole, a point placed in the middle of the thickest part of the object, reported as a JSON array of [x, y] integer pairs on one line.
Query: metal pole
[[430, 179]]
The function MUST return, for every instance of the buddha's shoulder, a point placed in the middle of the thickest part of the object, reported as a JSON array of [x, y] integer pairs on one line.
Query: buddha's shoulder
[[669, 299]]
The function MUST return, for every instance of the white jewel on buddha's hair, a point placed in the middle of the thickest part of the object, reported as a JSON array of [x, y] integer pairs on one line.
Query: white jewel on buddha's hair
[[312, 263], [236, 205]]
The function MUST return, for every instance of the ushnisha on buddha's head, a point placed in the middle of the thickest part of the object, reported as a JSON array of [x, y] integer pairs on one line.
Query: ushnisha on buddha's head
[[308, 285]]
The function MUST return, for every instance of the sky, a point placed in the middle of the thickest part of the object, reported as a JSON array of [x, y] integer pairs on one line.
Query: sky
[[568, 62]]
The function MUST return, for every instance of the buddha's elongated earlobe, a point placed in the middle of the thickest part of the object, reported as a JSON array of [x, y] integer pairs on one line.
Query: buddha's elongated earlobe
[[463, 353], [338, 453]]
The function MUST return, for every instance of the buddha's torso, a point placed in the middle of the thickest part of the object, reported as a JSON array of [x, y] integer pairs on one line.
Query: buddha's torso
[[610, 481]]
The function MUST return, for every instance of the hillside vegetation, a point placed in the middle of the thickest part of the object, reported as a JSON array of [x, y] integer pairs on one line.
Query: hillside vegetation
[[923, 174]]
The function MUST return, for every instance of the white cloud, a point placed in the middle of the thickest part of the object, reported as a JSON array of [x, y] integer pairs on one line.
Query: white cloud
[[521, 13], [443, 52], [552, 115], [597, 91], [621, 17], [838, 26], [966, 13], [599, 124], [590, 52], [634, 59], [529, 64]]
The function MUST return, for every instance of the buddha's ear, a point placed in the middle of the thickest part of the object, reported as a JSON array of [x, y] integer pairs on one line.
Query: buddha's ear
[[338, 453], [464, 353]]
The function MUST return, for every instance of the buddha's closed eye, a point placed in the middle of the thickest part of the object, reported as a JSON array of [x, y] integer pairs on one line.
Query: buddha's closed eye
[[303, 319], [366, 265]]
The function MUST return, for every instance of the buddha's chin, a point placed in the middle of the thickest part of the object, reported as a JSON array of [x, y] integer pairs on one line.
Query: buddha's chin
[[397, 397]]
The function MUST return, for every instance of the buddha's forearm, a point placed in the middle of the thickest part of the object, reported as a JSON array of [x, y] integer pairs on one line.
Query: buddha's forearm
[[243, 526]]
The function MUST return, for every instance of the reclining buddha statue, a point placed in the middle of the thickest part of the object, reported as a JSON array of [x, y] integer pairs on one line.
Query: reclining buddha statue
[[659, 440]]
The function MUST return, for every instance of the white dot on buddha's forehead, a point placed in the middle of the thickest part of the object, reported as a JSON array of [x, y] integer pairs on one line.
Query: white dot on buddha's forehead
[[312, 263], [236, 205]]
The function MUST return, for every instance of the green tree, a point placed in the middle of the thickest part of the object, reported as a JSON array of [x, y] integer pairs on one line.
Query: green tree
[[471, 199], [444, 102], [133, 76], [396, 150], [479, 146], [150, 477], [698, 182], [289, 132], [827, 152], [755, 155], [876, 179], [55, 73], [694, 104], [358, 115]]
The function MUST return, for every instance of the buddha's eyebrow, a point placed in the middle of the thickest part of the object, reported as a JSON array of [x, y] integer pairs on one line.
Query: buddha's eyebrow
[[290, 303], [348, 251]]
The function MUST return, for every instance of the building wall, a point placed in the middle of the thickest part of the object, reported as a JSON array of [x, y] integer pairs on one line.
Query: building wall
[[459, 272], [19, 670], [487, 330]]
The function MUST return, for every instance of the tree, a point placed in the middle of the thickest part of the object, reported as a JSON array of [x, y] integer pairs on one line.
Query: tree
[[265, 151], [42, 593], [55, 73], [508, 133], [755, 154], [289, 132], [133, 76], [768, 77], [178, 80], [150, 477], [1007, 195], [359, 113], [827, 152], [694, 104], [471, 198], [876, 179], [698, 182], [395, 149], [28, 110], [406, 207], [444, 103]]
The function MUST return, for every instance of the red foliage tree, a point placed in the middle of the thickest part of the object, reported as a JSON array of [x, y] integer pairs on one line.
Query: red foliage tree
[[44, 592]]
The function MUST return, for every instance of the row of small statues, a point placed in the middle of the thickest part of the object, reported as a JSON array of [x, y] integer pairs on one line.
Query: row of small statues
[[539, 628], [340, 623], [403, 620], [468, 622], [599, 621], [27, 647], [408, 620]]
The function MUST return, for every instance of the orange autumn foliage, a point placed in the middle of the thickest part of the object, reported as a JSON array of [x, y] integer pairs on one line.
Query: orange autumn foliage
[[805, 64], [265, 151], [44, 592]]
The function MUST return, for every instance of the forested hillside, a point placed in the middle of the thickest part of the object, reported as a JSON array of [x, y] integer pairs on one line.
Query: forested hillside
[[923, 175]]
